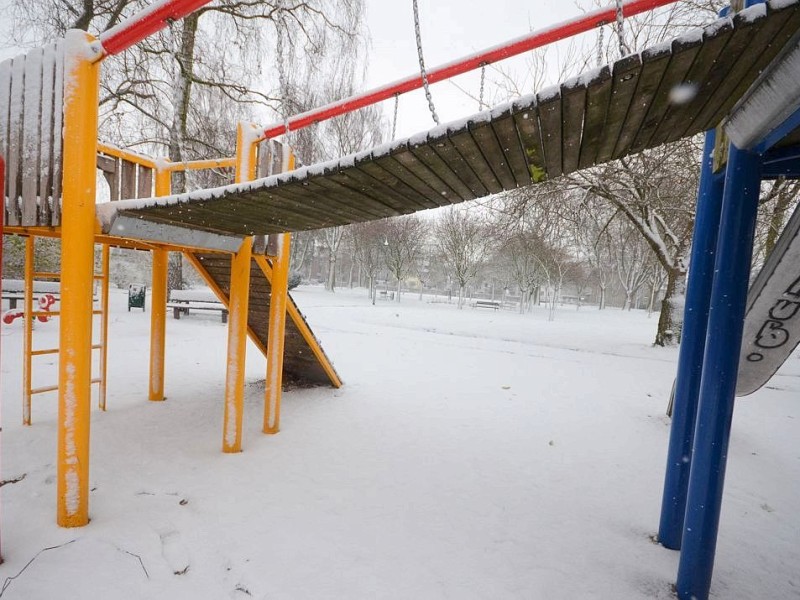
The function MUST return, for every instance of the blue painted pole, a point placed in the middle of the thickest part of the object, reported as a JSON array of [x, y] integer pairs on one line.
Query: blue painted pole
[[693, 343], [720, 369]]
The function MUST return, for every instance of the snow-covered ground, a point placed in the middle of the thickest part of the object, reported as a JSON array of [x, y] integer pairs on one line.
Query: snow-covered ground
[[470, 454]]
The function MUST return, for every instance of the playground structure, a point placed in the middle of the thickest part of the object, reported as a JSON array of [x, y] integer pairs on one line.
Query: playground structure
[[741, 68]]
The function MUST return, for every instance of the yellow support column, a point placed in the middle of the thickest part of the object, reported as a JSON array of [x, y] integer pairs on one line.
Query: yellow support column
[[237, 343], [246, 146], [27, 342], [158, 323], [239, 305], [158, 301], [277, 325], [277, 329], [81, 85]]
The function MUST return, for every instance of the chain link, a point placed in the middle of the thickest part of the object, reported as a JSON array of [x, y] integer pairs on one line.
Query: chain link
[[624, 50], [394, 120], [481, 103], [600, 34], [422, 64]]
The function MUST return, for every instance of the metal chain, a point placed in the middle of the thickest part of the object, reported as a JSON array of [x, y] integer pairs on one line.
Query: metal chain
[[624, 50], [481, 104], [394, 120], [600, 34], [422, 64]]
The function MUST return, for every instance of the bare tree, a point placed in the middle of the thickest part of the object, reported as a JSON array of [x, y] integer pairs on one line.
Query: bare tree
[[464, 240], [369, 244], [655, 191], [332, 237], [633, 264], [594, 238], [778, 199], [519, 249], [303, 245], [403, 243]]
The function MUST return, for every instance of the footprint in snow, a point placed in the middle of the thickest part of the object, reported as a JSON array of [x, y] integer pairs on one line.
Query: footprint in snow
[[174, 552]]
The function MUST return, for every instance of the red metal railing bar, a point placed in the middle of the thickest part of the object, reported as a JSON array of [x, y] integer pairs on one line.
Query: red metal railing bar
[[154, 18], [514, 47]]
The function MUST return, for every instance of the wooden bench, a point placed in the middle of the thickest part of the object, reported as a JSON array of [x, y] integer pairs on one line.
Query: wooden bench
[[495, 304], [185, 301]]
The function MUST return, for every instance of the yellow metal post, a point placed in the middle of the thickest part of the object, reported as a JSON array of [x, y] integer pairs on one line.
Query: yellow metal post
[[238, 307], [27, 341], [277, 325], [77, 230], [163, 180], [237, 343], [277, 329], [246, 147], [158, 301], [158, 323]]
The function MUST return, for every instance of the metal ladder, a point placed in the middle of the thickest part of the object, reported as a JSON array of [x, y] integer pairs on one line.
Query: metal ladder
[[31, 274]]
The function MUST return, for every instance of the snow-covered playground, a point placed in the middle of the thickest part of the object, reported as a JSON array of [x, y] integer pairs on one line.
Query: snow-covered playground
[[470, 454]]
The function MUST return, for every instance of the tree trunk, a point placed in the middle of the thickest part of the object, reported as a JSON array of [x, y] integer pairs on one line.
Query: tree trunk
[[670, 321], [181, 98], [330, 285], [652, 301], [602, 297]]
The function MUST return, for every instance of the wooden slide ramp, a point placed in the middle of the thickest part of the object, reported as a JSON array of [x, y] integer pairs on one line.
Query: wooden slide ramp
[[305, 364]]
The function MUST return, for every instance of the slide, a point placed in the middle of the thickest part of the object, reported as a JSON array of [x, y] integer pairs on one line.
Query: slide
[[772, 321]]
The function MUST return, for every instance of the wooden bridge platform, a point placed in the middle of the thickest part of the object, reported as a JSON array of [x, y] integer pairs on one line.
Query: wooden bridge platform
[[662, 94]]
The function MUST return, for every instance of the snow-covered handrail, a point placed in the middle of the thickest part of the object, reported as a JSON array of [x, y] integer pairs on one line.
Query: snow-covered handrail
[[152, 19]]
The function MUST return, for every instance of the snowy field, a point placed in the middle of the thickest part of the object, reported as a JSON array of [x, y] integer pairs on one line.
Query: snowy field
[[470, 454]]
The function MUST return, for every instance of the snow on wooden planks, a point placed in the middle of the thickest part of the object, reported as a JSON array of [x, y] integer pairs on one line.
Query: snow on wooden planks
[[31, 109]]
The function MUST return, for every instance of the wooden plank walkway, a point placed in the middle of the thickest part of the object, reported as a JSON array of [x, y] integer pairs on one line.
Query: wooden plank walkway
[[599, 116]]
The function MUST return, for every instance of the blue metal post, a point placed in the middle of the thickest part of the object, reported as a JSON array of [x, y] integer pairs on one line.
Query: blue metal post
[[693, 343], [720, 369]]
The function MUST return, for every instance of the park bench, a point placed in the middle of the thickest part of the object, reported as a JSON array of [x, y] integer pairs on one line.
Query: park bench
[[14, 290], [495, 304], [184, 301]]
